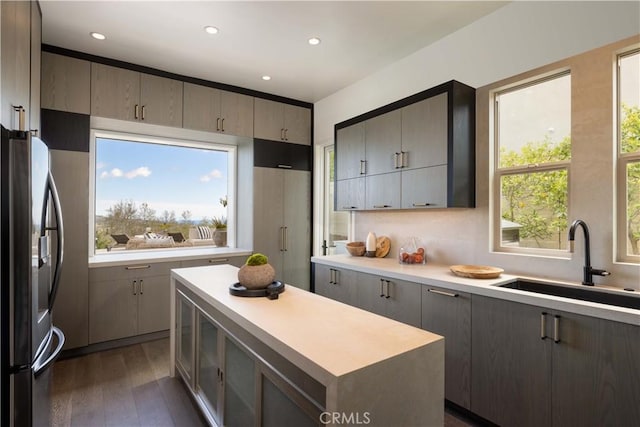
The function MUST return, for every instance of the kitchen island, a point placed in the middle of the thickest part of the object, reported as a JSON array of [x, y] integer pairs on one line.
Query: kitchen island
[[301, 359]]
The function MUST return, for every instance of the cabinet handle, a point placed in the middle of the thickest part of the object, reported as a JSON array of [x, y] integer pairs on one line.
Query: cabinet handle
[[395, 160], [556, 329], [331, 276], [403, 159], [218, 123], [381, 206], [143, 108], [349, 207], [387, 295], [136, 111], [282, 134], [135, 286], [218, 261], [446, 294], [222, 124], [281, 239], [381, 288], [421, 205], [141, 286], [363, 167], [285, 166], [286, 138], [286, 236], [137, 267], [34, 132], [543, 325]]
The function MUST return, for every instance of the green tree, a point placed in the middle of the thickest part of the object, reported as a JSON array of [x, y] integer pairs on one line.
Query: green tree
[[538, 200], [121, 217], [146, 214], [630, 143]]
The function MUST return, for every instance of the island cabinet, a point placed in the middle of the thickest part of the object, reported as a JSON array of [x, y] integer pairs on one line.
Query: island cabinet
[[393, 298], [415, 153], [298, 360], [336, 283], [215, 110], [66, 83], [535, 366], [448, 313], [129, 95], [128, 300], [282, 122]]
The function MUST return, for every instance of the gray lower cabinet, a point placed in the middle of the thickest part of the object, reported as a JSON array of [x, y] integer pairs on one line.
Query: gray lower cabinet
[[336, 283], [533, 366], [448, 313], [128, 300], [397, 299], [232, 383]]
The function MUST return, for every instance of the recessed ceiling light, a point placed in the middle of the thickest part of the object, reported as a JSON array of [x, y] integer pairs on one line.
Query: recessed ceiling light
[[314, 41], [98, 36], [266, 77], [211, 30]]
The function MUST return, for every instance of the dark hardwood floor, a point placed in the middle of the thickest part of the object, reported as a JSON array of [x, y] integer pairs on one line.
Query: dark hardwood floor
[[131, 386]]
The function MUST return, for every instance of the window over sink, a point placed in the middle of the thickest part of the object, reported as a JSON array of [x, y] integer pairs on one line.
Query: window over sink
[[531, 164], [628, 167], [152, 193]]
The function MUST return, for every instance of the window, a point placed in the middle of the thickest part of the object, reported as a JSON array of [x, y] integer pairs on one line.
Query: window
[[151, 193], [532, 140], [336, 223], [628, 205]]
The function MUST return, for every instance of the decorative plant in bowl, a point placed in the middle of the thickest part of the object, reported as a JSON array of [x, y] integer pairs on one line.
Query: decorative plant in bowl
[[257, 273], [220, 233]]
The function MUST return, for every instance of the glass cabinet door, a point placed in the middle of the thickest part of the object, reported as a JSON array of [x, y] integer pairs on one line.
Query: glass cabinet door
[[239, 386], [208, 378], [279, 409], [184, 335]]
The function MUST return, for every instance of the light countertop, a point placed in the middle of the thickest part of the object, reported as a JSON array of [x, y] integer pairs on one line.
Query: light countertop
[[325, 338], [441, 276], [116, 258]]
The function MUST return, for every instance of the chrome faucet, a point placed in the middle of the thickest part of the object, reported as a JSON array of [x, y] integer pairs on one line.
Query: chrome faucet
[[588, 270]]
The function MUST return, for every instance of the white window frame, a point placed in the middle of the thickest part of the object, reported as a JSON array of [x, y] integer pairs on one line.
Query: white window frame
[[497, 173], [174, 141], [623, 159]]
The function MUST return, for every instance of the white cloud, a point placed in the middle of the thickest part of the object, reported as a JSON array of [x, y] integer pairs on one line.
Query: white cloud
[[101, 165], [213, 174], [119, 173], [141, 171]]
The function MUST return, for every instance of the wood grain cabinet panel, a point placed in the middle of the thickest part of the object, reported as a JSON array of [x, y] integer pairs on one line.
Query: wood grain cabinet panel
[[350, 194], [66, 83], [129, 95], [282, 122], [215, 110], [448, 313], [350, 155], [382, 191], [336, 283], [397, 299], [383, 142]]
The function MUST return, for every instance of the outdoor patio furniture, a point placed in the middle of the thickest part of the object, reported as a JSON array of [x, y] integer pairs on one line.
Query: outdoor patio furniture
[[177, 237], [120, 239]]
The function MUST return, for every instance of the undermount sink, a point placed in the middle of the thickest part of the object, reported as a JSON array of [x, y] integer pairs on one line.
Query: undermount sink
[[585, 294]]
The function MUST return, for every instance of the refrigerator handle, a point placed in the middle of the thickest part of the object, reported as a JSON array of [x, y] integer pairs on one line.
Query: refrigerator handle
[[59, 228], [40, 366]]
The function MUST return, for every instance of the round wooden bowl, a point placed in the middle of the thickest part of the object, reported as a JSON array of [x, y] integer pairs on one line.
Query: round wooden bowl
[[356, 248]]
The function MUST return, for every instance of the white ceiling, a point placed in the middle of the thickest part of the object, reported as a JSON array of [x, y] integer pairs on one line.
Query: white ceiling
[[259, 37]]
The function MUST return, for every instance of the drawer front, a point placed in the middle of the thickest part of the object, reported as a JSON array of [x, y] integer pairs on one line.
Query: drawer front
[[238, 261], [138, 269]]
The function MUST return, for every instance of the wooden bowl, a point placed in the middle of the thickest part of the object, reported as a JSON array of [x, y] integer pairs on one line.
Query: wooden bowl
[[356, 248]]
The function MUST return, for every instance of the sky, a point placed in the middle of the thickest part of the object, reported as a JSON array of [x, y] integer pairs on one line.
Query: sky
[[165, 177]]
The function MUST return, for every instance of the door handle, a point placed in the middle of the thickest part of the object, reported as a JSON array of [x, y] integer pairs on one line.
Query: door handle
[[141, 286], [403, 159], [282, 134], [222, 125], [38, 366], [381, 206], [143, 108], [543, 325], [218, 124], [135, 287], [286, 236], [136, 111], [137, 267], [387, 295], [421, 205], [286, 138], [381, 288], [395, 160], [59, 228]]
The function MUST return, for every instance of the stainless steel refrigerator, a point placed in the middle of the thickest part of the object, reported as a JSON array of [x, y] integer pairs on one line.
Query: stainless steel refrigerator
[[31, 255]]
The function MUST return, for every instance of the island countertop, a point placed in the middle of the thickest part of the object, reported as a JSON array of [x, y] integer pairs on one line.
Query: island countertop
[[325, 338]]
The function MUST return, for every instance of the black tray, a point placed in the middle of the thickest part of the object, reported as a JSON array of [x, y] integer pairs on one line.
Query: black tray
[[271, 291]]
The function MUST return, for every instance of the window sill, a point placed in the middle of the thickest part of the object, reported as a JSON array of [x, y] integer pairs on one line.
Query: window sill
[[157, 255]]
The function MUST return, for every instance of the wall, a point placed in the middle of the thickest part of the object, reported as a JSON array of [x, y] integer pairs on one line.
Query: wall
[[481, 55]]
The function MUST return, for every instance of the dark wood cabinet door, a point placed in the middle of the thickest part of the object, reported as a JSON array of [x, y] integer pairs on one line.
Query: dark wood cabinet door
[[511, 364]]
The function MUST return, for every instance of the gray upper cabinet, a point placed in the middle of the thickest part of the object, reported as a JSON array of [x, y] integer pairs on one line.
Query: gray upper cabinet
[[129, 95], [424, 133], [421, 148], [282, 122], [215, 110], [350, 155], [66, 83], [383, 142], [16, 57], [350, 194]]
